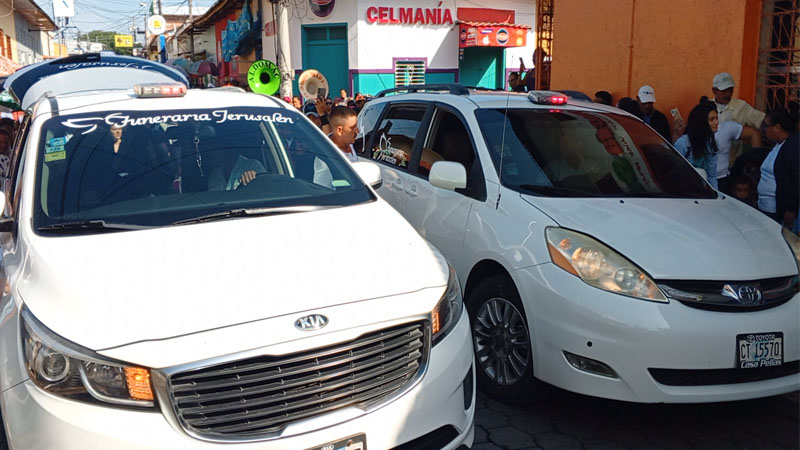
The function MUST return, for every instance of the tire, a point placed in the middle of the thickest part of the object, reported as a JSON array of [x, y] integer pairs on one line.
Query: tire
[[501, 342]]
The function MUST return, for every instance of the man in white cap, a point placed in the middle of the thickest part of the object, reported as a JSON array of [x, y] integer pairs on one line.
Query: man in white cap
[[730, 108], [651, 116]]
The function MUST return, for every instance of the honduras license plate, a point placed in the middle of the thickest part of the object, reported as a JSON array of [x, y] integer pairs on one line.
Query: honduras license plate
[[357, 442], [756, 350]]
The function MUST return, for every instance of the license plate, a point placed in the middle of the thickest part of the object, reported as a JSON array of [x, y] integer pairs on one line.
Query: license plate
[[756, 350], [357, 442]]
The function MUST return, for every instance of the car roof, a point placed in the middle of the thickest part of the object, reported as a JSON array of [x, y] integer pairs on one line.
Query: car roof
[[120, 100], [86, 73], [477, 98]]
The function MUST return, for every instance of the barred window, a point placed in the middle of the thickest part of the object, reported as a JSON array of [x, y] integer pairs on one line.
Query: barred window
[[409, 73]]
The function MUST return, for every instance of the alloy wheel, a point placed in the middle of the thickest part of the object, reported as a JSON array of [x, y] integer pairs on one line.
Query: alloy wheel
[[502, 346]]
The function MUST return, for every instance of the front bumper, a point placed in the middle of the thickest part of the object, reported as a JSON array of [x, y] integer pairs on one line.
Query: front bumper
[[37, 420], [632, 336]]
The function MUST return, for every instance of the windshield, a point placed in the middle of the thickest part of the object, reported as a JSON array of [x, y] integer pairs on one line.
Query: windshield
[[585, 154], [154, 168]]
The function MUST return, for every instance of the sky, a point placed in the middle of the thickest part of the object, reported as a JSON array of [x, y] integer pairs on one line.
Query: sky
[[112, 15]]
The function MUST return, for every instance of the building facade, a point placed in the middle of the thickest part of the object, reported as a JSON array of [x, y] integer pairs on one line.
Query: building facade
[[24, 34], [677, 47], [370, 45]]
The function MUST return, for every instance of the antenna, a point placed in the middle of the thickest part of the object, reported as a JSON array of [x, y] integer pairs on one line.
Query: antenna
[[502, 151]]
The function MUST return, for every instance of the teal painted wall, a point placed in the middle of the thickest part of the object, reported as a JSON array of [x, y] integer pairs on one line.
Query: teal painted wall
[[372, 83], [432, 78]]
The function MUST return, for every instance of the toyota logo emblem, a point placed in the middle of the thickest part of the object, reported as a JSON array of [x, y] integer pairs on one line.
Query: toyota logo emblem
[[749, 295]]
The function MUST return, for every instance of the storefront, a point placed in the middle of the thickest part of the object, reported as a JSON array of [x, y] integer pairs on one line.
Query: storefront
[[236, 27], [370, 45]]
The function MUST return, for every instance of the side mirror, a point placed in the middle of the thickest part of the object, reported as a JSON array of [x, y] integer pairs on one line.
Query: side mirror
[[702, 172], [369, 172], [448, 175]]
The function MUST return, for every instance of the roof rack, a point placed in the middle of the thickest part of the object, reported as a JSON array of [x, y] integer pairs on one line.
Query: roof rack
[[481, 88], [453, 88]]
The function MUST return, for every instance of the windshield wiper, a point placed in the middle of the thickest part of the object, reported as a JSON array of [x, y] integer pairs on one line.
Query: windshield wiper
[[248, 212], [557, 190], [92, 225]]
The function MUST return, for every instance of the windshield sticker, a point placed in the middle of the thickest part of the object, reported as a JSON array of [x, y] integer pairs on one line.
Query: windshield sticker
[[340, 183], [55, 142], [83, 65], [216, 116], [53, 149], [385, 152], [56, 156]]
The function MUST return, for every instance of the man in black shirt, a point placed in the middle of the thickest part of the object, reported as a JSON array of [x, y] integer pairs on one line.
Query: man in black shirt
[[651, 116]]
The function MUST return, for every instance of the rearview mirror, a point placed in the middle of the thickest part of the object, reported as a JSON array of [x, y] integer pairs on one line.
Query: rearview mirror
[[448, 175], [369, 172]]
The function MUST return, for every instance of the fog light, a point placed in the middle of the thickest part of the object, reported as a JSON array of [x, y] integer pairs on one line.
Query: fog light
[[467, 388], [590, 365]]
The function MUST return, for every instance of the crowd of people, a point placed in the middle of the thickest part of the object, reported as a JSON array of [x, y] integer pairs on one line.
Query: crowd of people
[[749, 154]]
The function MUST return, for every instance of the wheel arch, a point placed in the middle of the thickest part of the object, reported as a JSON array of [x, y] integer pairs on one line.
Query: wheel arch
[[482, 270]]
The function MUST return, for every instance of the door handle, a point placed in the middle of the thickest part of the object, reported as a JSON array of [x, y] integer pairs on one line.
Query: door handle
[[397, 184], [412, 190]]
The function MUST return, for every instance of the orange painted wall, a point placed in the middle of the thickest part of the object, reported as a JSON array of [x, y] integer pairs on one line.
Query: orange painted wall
[[677, 46]]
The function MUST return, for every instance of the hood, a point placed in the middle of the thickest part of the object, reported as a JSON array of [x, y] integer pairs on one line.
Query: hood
[[106, 290], [680, 239]]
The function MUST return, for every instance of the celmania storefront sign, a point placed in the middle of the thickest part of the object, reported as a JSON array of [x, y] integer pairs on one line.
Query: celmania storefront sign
[[409, 16]]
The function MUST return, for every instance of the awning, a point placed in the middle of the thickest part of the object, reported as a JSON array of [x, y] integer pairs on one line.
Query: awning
[[491, 34]]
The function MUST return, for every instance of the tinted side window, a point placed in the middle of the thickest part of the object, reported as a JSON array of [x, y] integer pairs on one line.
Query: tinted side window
[[448, 140], [366, 127], [394, 139]]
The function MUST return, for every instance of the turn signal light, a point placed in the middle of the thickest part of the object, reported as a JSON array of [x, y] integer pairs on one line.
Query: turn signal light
[[139, 383]]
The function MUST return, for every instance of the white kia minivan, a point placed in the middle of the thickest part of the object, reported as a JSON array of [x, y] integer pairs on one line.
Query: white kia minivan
[[185, 269]]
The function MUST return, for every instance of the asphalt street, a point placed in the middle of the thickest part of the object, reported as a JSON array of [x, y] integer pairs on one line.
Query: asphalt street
[[567, 421]]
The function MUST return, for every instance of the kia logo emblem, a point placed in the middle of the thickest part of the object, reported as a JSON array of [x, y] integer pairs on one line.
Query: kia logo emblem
[[311, 322], [749, 295]]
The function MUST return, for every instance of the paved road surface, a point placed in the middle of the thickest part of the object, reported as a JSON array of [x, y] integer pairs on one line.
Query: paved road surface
[[567, 421]]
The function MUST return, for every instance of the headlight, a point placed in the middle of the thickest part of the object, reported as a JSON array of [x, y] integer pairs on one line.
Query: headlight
[[794, 244], [447, 312], [62, 368], [600, 266]]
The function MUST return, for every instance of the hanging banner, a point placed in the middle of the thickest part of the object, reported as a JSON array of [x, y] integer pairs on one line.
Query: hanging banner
[[491, 36]]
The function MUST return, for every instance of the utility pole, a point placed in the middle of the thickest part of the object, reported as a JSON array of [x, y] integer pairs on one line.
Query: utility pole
[[159, 7], [191, 31], [284, 52], [133, 31]]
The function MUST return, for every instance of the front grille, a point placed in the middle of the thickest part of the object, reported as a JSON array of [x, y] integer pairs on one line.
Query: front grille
[[710, 377], [708, 295], [258, 396]]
